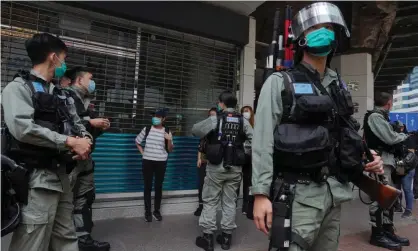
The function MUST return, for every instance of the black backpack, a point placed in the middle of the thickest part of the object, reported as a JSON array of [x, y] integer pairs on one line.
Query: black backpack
[[148, 129]]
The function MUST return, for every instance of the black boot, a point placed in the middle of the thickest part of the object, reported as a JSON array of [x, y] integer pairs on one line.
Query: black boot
[[224, 240], [86, 243], [390, 233], [379, 239], [198, 211], [205, 242], [397, 208]]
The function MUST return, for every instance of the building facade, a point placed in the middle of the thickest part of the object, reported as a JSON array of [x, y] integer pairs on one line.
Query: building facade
[[406, 95], [143, 56]]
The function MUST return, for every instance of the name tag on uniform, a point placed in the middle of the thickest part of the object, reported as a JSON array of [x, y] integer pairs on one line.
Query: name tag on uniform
[[303, 88], [232, 119], [38, 87]]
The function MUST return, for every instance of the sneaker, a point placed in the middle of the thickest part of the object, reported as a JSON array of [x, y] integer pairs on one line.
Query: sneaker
[[407, 214], [157, 216], [148, 217]]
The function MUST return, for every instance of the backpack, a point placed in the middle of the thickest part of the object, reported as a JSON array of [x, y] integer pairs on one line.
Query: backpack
[[148, 129]]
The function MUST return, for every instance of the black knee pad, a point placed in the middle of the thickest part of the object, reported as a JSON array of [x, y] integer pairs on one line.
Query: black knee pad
[[86, 213], [90, 197]]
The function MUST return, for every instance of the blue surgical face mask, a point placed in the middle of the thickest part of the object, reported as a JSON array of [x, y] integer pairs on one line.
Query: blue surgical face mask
[[60, 71], [92, 86], [322, 37], [156, 121], [218, 107]]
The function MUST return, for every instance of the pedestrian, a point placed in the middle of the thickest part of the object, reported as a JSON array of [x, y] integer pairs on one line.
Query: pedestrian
[[36, 115], [158, 143], [226, 135], [408, 179], [81, 89], [292, 144], [201, 165], [248, 113]]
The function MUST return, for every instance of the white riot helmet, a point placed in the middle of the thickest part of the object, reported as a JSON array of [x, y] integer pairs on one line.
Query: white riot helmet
[[317, 13]]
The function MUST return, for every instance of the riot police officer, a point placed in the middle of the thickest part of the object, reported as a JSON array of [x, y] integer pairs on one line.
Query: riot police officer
[[380, 135], [44, 128], [295, 115], [226, 134], [81, 90]]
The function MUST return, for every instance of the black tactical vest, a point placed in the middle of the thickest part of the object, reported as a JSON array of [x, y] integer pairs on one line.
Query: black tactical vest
[[83, 112], [51, 111], [303, 139], [226, 143], [371, 139]]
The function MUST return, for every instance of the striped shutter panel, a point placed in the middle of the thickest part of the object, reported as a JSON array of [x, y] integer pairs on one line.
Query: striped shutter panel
[[137, 68]]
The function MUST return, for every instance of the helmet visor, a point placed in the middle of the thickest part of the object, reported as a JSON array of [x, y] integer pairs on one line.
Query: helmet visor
[[317, 13]]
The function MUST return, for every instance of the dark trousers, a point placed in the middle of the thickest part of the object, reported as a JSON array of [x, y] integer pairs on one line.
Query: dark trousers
[[202, 175], [397, 181], [415, 187], [149, 169], [246, 180]]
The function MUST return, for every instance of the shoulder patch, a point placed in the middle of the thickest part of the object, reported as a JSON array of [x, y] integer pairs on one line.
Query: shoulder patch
[[38, 87], [303, 88]]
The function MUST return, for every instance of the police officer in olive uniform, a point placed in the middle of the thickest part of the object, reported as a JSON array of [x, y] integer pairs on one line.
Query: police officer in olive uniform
[[47, 136], [294, 113], [82, 177], [226, 135], [380, 135]]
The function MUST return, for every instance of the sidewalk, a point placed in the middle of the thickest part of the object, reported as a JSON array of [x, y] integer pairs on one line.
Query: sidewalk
[[178, 232]]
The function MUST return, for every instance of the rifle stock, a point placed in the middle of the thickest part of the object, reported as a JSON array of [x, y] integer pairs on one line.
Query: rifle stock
[[384, 195], [378, 191]]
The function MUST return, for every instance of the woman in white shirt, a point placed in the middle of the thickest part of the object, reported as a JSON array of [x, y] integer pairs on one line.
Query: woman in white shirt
[[158, 143]]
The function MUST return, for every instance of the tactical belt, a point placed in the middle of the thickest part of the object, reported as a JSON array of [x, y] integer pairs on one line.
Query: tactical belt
[[305, 176]]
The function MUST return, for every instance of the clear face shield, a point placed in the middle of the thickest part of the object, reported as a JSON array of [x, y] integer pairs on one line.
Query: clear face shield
[[322, 41], [317, 13]]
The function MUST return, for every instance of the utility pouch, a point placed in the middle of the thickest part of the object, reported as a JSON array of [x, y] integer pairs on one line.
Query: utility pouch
[[215, 153], [281, 229], [343, 100], [280, 233], [239, 156], [69, 162], [228, 155]]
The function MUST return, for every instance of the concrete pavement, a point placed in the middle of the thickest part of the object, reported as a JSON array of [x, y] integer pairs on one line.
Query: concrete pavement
[[178, 232]]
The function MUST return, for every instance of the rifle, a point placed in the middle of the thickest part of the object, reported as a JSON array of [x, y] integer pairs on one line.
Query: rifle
[[377, 189]]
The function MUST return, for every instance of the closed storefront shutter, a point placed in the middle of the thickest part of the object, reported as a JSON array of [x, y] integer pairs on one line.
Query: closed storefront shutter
[[137, 68]]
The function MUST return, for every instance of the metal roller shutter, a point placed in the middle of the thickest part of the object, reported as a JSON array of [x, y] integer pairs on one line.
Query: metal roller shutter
[[137, 68]]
